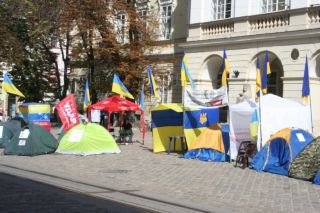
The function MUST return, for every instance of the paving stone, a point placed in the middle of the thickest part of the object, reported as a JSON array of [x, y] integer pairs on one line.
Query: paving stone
[[191, 182]]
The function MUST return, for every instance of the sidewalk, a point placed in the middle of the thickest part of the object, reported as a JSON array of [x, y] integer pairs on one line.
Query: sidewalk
[[166, 183]]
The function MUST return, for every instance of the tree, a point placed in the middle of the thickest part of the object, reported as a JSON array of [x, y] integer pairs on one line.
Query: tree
[[32, 62]]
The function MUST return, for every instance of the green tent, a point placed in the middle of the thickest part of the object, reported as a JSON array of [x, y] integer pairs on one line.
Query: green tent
[[5, 134], [307, 163], [31, 140], [88, 139]]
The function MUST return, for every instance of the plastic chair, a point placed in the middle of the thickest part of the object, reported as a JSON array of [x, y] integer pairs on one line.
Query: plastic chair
[[246, 150]]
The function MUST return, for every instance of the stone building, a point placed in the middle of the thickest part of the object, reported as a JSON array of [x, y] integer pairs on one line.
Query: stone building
[[288, 30]]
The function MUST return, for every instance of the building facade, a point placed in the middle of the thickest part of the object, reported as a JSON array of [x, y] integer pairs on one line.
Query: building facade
[[287, 29]]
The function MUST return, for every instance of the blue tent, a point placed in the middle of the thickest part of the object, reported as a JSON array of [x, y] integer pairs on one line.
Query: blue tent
[[280, 150], [317, 178], [211, 145]]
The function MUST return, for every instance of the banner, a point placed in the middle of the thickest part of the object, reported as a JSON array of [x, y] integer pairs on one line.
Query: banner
[[68, 113], [206, 98]]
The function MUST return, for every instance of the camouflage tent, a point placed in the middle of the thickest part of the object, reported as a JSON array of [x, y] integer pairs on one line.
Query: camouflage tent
[[307, 163]]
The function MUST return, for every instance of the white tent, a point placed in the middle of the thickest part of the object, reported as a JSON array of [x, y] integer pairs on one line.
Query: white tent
[[240, 118], [276, 113]]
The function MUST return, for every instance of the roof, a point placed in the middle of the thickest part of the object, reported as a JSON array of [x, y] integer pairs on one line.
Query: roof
[[115, 103]]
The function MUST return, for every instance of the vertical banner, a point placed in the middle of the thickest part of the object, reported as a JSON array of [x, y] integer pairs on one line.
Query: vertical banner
[[68, 113]]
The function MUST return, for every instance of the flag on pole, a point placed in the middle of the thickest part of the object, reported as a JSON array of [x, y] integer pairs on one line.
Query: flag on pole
[[254, 125], [306, 86], [185, 74], [142, 99], [9, 87], [152, 82], [68, 112], [86, 98], [265, 73], [225, 69], [258, 80], [142, 114], [119, 88]]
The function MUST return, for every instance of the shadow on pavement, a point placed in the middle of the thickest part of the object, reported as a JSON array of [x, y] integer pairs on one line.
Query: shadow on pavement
[[24, 195]]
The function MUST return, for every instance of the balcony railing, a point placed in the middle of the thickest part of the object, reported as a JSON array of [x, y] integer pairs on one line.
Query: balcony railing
[[217, 28], [314, 15], [281, 21], [269, 21]]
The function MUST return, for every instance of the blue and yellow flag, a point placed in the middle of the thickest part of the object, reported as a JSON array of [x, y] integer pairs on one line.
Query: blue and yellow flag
[[8, 87], [119, 88], [306, 86], [197, 120], [152, 82], [225, 69], [185, 74], [142, 99], [86, 98], [258, 80], [266, 72], [254, 126]]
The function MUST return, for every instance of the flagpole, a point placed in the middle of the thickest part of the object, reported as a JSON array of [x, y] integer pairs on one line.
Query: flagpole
[[260, 123], [230, 160], [5, 97], [310, 106]]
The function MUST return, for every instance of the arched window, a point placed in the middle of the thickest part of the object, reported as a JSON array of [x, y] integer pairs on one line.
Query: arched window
[[275, 83]]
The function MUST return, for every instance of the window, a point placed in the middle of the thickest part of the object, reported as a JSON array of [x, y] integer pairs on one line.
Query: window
[[221, 9], [269, 6], [121, 22], [166, 12]]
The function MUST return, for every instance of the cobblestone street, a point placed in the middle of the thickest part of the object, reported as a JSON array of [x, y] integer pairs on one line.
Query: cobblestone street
[[23, 195], [161, 182]]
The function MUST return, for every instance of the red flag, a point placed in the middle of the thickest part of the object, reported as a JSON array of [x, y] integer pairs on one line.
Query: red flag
[[68, 113]]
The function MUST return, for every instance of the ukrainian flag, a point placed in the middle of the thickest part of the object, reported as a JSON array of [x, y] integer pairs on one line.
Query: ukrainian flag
[[86, 98], [167, 120], [197, 120], [258, 80], [254, 126], [185, 74], [225, 69], [152, 82], [266, 72], [8, 87], [119, 88], [306, 86], [142, 99]]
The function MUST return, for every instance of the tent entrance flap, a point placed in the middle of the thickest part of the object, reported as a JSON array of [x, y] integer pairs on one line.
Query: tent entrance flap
[[278, 157]]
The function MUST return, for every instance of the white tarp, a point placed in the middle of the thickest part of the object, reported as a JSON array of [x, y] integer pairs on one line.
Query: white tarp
[[276, 113], [240, 118], [206, 98]]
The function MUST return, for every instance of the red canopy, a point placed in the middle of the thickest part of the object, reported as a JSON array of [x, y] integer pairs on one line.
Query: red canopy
[[118, 104], [115, 104]]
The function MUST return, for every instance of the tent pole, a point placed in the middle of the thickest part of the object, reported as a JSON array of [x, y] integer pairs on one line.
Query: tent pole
[[109, 118], [183, 119]]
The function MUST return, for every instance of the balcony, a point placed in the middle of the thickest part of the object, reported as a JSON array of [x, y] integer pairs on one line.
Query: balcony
[[277, 22]]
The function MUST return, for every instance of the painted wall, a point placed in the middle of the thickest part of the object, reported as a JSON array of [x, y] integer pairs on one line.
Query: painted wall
[[200, 10]]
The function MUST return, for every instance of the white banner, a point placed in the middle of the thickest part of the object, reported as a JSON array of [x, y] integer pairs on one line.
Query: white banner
[[206, 98]]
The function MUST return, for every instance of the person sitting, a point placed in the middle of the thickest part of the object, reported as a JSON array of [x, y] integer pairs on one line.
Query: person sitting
[[126, 131]]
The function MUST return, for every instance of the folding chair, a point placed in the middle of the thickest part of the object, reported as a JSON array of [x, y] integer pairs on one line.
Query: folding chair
[[246, 150]]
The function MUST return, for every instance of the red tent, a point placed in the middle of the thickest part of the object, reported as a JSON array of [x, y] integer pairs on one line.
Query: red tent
[[117, 104]]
